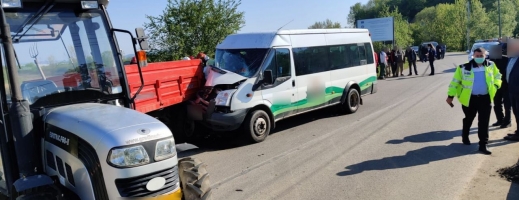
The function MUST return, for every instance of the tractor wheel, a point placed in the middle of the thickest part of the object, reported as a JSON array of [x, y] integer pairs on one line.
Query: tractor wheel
[[194, 179]]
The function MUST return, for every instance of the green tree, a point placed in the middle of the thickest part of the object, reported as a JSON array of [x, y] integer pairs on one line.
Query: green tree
[[187, 27], [449, 19], [424, 21], [508, 17], [480, 25], [108, 59], [325, 25], [402, 30]]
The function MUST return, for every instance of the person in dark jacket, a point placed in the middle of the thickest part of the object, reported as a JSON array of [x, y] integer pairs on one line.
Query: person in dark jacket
[[431, 54], [502, 98], [392, 62], [512, 78], [410, 55]]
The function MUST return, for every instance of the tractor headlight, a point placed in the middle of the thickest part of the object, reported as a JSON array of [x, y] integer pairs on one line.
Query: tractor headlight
[[129, 156], [165, 149], [224, 97]]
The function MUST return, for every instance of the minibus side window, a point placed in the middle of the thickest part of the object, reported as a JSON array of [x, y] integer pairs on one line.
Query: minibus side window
[[352, 52], [280, 65], [362, 54]]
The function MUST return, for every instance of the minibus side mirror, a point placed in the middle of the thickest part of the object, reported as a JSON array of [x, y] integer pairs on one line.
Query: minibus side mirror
[[268, 78]]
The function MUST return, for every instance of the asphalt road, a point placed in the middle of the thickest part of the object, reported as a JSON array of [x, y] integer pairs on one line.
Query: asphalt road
[[403, 143]]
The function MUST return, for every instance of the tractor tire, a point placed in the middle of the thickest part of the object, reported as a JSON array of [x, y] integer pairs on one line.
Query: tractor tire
[[257, 126], [352, 102], [194, 179]]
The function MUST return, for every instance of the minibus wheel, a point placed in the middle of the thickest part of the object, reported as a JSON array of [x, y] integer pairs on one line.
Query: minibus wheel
[[194, 179], [352, 102], [257, 126]]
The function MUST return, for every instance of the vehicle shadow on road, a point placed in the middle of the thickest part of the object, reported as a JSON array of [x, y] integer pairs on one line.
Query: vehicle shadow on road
[[417, 157], [216, 141]]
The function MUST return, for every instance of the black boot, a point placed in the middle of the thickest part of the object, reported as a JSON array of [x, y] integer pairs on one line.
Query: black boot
[[506, 125], [498, 123], [483, 149]]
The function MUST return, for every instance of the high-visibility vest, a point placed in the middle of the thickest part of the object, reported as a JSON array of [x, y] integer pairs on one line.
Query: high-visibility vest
[[461, 84]]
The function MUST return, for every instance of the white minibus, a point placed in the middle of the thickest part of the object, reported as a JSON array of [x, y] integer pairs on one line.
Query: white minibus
[[257, 79]]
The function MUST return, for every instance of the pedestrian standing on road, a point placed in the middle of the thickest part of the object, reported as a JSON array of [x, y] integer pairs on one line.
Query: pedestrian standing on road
[[400, 60], [410, 55], [502, 98], [388, 63], [431, 54], [383, 64], [475, 84], [393, 60], [512, 77]]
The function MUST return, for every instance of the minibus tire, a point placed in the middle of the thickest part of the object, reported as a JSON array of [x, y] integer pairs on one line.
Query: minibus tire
[[346, 106], [194, 179], [257, 126]]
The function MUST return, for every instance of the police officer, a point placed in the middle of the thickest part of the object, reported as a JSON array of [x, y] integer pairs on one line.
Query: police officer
[[475, 84], [431, 54]]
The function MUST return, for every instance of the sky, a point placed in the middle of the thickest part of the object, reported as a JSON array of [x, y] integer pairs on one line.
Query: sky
[[260, 15]]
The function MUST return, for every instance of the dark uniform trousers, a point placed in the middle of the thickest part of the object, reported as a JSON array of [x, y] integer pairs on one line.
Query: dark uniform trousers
[[514, 100], [501, 99], [480, 105]]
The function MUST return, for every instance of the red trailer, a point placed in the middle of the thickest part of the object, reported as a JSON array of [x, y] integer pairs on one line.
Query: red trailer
[[165, 83]]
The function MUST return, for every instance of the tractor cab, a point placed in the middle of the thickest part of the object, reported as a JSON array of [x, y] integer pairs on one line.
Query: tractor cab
[[67, 130], [65, 54]]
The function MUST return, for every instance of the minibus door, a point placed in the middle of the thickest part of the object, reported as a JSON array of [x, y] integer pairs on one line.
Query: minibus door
[[281, 92]]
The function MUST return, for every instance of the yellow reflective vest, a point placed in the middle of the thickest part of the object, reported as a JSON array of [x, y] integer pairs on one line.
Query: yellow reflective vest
[[461, 84]]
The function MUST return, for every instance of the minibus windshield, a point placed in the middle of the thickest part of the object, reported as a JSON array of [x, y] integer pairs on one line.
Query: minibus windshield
[[244, 62]]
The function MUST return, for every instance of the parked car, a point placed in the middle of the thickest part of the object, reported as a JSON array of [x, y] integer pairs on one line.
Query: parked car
[[415, 49], [431, 42], [485, 45]]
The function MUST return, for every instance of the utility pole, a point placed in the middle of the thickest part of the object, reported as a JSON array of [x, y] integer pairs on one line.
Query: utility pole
[[468, 21], [499, 11]]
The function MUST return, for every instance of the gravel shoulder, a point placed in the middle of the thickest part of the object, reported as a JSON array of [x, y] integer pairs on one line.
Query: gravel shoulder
[[486, 183]]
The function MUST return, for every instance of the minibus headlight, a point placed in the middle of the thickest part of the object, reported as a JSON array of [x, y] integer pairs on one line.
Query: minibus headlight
[[224, 97]]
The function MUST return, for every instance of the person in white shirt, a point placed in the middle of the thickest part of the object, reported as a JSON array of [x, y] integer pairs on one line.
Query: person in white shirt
[[383, 64]]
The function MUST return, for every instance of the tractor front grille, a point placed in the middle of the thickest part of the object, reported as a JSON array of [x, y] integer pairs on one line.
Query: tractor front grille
[[136, 186]]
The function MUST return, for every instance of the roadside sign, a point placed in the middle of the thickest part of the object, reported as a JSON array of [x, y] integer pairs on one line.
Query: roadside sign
[[381, 29]]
